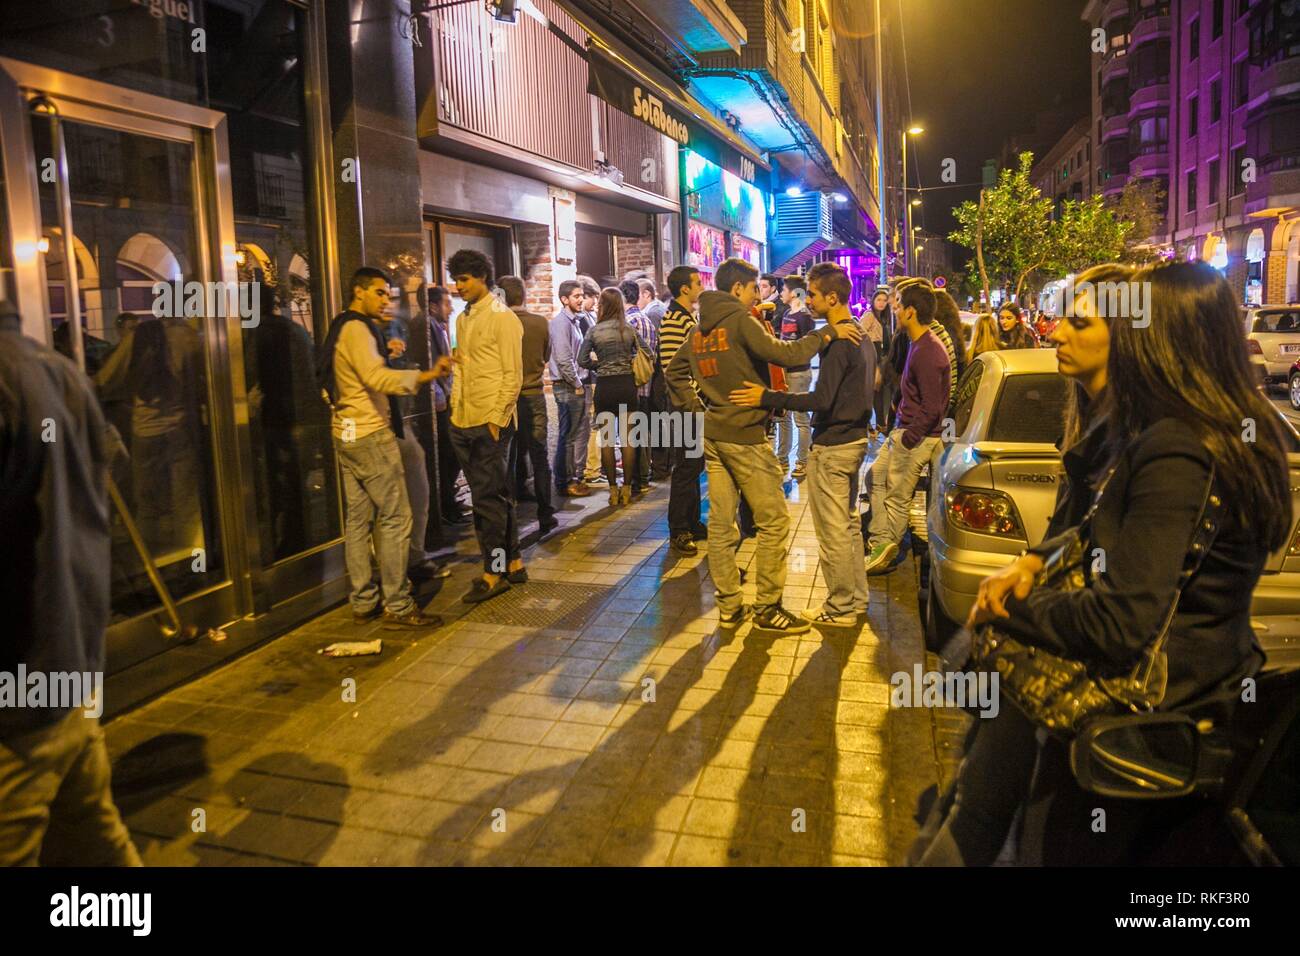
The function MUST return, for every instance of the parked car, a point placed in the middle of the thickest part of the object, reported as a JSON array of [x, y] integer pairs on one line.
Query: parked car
[[993, 488], [1293, 382], [1273, 340], [1239, 762]]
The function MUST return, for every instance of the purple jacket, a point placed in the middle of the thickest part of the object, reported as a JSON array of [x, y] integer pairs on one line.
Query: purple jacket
[[924, 391]]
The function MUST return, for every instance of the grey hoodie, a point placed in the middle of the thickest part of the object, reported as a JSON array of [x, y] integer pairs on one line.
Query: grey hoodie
[[728, 348]]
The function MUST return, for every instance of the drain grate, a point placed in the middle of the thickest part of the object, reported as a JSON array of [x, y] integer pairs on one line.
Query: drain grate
[[541, 604]]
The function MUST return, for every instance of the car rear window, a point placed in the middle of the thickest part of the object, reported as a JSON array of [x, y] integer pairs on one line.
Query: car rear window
[[1284, 321], [1030, 408]]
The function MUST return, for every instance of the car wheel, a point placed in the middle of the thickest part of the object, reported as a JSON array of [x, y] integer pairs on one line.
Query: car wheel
[[1295, 390], [939, 627]]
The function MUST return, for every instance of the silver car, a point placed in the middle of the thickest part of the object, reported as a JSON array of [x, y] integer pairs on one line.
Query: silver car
[[1272, 340], [993, 489]]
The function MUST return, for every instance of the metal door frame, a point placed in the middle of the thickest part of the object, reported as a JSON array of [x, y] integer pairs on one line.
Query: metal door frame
[[91, 101]]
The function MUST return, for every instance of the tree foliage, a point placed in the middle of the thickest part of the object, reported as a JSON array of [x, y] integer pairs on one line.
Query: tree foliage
[[1141, 207]]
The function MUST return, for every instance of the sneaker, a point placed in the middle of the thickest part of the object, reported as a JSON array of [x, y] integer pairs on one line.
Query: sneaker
[[626, 495], [736, 619], [413, 618], [480, 590], [684, 544], [428, 571], [367, 616], [881, 558], [596, 480], [776, 618], [517, 577], [829, 620], [800, 471]]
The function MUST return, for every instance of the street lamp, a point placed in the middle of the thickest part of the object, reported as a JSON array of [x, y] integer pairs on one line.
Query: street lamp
[[907, 235]]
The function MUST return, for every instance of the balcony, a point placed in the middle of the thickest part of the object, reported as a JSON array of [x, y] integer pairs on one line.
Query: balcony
[[1149, 28], [704, 26], [1152, 160], [1114, 127], [1148, 99], [1276, 79], [1276, 187], [1115, 64]]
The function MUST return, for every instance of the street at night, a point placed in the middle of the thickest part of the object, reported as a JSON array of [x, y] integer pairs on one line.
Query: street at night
[[640, 438]]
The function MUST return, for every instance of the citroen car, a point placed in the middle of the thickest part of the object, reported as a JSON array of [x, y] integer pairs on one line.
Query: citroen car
[[993, 488]]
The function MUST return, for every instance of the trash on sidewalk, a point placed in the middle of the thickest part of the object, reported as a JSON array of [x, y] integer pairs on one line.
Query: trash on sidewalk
[[353, 648]]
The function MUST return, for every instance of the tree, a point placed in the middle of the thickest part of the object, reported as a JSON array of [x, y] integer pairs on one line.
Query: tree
[[1141, 208], [1009, 229]]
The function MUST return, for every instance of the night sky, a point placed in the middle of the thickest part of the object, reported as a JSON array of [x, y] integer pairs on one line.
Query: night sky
[[979, 71]]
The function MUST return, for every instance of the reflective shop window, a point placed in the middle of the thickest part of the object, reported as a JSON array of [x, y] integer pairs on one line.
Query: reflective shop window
[[256, 52], [134, 224]]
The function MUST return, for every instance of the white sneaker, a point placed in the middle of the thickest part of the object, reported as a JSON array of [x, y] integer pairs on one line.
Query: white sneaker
[[829, 620]]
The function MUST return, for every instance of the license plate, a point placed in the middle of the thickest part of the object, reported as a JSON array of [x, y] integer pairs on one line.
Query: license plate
[[1290, 349]]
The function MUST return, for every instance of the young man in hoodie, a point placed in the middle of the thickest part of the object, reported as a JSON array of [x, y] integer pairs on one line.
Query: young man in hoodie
[[728, 348], [841, 409]]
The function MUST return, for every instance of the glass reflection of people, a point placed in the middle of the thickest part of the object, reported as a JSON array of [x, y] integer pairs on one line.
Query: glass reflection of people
[[157, 368], [291, 422]]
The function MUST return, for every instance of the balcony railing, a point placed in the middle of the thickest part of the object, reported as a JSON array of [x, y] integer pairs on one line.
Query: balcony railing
[[1149, 27], [1146, 98], [1276, 74]]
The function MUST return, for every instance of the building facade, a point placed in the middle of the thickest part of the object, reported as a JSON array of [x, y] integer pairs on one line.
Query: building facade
[[1203, 96], [1064, 172]]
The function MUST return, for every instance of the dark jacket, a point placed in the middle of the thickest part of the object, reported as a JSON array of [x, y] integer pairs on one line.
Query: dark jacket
[[794, 326], [841, 399], [728, 348], [1144, 525], [1018, 338], [54, 521], [1083, 466]]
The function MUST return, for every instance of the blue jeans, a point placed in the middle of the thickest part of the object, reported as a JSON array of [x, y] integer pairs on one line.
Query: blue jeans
[[750, 471], [833, 500], [572, 430], [374, 487]]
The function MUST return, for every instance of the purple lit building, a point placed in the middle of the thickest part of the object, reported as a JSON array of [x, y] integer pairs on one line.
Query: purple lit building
[[1204, 96]]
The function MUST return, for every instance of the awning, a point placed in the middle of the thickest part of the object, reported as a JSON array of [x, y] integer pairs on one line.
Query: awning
[[674, 115]]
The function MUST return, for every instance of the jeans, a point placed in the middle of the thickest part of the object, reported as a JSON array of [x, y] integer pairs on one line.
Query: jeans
[[530, 441], [991, 785], [752, 471], [56, 805], [417, 493], [571, 435], [684, 491], [833, 500], [484, 461], [893, 480], [802, 421], [374, 487]]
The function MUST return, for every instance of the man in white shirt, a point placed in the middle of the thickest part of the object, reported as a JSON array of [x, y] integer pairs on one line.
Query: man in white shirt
[[365, 439], [489, 351]]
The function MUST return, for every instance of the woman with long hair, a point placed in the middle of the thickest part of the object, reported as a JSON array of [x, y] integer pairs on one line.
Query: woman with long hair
[[1175, 465], [886, 373], [984, 337], [608, 348], [1012, 333], [948, 315]]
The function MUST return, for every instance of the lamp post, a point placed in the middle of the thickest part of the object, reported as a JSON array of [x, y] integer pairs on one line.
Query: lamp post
[[907, 206]]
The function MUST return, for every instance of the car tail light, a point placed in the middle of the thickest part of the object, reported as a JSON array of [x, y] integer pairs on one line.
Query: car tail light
[[1252, 347], [988, 512]]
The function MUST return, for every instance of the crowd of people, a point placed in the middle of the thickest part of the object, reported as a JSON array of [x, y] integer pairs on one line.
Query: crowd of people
[[1153, 457]]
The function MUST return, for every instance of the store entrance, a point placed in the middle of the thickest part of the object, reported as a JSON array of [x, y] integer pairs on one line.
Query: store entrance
[[128, 209]]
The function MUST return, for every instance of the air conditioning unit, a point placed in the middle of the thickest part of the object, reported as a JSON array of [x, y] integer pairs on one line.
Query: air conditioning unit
[[800, 229]]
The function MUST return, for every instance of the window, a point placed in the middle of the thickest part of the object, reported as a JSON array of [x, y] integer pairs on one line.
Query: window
[[1193, 39], [1150, 135], [1030, 408], [1216, 29], [1193, 114], [1216, 101], [964, 402], [1191, 191], [1241, 82], [1214, 182], [1236, 184]]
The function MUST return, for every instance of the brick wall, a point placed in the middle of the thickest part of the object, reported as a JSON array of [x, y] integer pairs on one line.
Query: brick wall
[[635, 253], [537, 264], [1275, 277]]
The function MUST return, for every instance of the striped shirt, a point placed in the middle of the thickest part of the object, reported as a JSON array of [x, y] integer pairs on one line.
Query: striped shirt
[[673, 331], [942, 335], [645, 328]]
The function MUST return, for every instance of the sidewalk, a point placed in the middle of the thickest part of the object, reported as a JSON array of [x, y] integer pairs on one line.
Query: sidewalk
[[595, 715]]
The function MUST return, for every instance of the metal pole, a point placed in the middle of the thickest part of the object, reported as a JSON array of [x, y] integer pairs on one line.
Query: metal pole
[[883, 270], [72, 285], [907, 215]]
